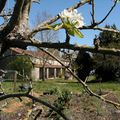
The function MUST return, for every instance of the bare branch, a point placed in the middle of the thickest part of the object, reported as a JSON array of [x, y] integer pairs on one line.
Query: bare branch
[[22, 44], [50, 21], [3, 97], [115, 3], [106, 29], [2, 4], [100, 29], [3, 15], [80, 81], [14, 19], [94, 24], [36, 1], [93, 11]]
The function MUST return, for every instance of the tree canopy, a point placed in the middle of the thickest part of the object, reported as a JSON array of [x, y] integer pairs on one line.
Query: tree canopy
[[110, 39], [22, 64]]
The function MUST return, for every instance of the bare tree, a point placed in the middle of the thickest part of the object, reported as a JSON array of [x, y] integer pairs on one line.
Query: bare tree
[[48, 36]]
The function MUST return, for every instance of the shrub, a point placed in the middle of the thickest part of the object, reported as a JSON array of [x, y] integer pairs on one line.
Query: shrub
[[106, 71]]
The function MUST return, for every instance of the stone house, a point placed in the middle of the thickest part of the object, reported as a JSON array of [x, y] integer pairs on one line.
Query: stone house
[[52, 68]]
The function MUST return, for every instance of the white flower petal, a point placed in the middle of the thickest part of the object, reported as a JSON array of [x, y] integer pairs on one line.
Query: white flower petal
[[73, 17]]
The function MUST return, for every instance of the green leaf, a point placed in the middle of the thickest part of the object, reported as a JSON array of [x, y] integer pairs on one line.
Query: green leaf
[[78, 33], [67, 25], [54, 27], [71, 32], [71, 29]]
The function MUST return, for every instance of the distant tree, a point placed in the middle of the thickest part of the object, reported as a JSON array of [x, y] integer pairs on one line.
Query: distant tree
[[110, 39], [108, 65], [48, 36], [22, 64]]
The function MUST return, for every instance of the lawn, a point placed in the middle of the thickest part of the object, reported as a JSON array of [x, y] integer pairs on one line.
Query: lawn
[[79, 106], [71, 85]]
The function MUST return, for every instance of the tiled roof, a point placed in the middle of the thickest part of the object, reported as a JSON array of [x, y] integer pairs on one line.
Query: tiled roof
[[28, 52], [36, 54], [48, 66]]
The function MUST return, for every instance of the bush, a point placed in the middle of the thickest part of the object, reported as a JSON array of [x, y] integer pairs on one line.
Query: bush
[[106, 71]]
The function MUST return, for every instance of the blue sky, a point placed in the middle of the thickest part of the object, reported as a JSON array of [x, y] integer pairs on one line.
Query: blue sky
[[54, 7], [102, 6]]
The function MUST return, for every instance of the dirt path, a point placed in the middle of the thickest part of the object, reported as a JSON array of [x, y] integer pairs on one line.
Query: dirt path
[[13, 106]]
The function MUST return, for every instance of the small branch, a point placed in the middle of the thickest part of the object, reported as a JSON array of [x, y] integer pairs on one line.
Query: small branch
[[55, 18], [36, 1], [98, 28], [106, 29], [34, 99], [93, 11], [115, 3]]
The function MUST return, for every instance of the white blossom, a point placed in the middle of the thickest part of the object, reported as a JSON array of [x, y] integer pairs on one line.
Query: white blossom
[[73, 16]]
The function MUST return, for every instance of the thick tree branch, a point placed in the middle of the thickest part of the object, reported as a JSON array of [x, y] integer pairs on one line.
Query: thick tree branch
[[50, 21], [2, 4], [14, 19], [25, 43], [23, 23], [3, 97]]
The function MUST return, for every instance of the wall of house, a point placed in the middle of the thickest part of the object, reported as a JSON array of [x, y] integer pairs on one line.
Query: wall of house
[[35, 74]]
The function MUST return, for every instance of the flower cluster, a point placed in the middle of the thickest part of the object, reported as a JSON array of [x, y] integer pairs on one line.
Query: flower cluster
[[73, 17]]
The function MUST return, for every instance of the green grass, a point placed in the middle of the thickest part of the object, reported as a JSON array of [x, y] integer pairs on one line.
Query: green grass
[[70, 85]]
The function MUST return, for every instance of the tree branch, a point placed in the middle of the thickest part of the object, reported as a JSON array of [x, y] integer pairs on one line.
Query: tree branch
[[80, 81], [50, 21], [2, 4], [3, 97], [14, 19], [93, 11], [36, 1], [23, 23], [25, 43], [98, 28], [115, 3]]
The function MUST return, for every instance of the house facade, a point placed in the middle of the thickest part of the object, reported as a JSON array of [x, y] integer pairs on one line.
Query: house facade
[[43, 65]]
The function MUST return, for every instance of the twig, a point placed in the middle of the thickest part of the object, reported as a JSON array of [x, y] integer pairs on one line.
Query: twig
[[115, 3]]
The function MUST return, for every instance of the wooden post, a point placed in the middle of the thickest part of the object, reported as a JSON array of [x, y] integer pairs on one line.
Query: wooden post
[[15, 79]]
